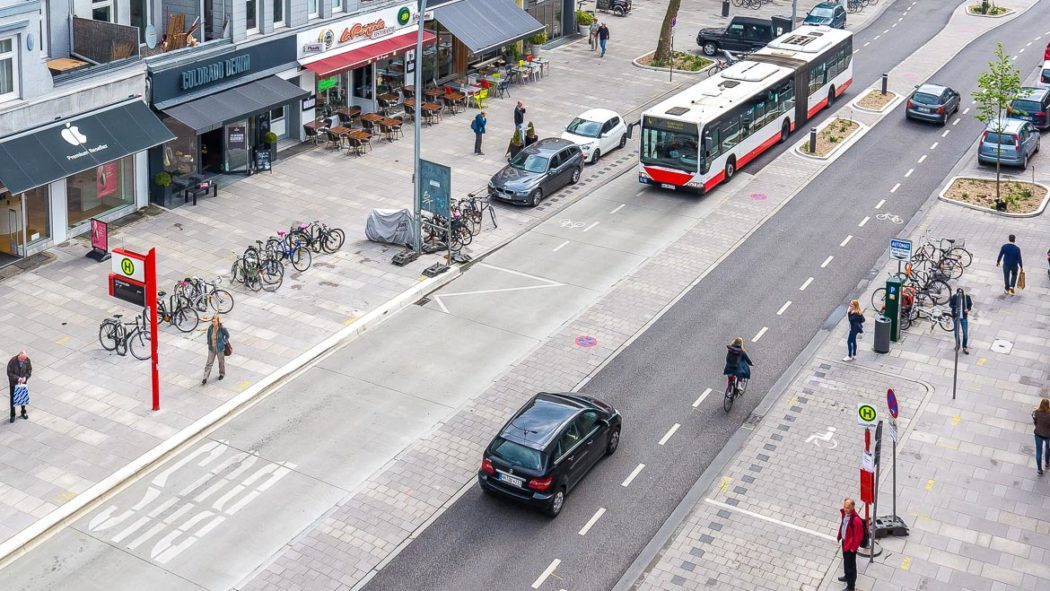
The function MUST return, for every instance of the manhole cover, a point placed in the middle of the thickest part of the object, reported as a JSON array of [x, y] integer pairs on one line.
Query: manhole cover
[[586, 341], [1002, 346]]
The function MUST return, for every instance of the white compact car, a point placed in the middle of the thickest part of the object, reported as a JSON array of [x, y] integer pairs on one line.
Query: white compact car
[[597, 132]]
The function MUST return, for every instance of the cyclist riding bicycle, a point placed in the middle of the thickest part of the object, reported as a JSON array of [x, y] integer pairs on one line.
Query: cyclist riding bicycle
[[738, 364]]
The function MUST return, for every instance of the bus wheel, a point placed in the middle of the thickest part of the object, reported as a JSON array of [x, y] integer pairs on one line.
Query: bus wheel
[[730, 168], [831, 96], [785, 130]]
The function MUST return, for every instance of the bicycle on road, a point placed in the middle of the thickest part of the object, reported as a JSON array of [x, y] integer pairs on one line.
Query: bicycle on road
[[734, 387]]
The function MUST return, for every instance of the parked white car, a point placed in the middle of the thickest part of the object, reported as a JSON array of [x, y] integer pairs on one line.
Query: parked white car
[[597, 132]]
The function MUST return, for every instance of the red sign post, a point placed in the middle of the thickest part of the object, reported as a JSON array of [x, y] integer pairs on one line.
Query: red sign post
[[134, 279]]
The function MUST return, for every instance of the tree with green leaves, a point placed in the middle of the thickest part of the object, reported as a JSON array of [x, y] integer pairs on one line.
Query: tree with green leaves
[[663, 46], [997, 87]]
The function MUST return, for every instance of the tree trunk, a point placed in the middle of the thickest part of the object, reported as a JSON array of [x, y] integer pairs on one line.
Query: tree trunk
[[663, 47], [998, 158]]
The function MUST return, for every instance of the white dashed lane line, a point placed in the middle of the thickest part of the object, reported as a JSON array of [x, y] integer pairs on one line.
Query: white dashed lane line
[[906, 175], [618, 208], [895, 187], [634, 473], [934, 145], [760, 333], [966, 110], [546, 573], [956, 122], [560, 246], [922, 158], [700, 400], [880, 204], [846, 241], [590, 523], [808, 281], [669, 433], [946, 132], [863, 221], [780, 312], [826, 262], [588, 228]]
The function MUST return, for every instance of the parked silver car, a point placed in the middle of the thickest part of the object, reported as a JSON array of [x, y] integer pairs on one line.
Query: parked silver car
[[537, 171], [932, 102], [1011, 141]]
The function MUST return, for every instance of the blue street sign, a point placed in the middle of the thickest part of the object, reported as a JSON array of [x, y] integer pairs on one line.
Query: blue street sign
[[891, 401], [900, 250]]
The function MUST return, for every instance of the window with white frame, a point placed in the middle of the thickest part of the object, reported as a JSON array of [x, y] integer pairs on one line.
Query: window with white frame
[[102, 10], [312, 8], [337, 6], [8, 68], [251, 11], [278, 13]]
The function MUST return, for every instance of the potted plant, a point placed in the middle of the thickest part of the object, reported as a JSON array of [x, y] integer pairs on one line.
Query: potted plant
[[536, 41], [584, 20], [163, 180]]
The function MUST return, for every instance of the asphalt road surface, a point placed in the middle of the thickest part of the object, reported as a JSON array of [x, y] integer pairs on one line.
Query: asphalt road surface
[[833, 236]]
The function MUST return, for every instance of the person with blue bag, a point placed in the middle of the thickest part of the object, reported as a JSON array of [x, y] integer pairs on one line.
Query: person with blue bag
[[18, 371]]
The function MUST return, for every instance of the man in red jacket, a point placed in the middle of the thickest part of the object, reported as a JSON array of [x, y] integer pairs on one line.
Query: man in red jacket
[[851, 532]]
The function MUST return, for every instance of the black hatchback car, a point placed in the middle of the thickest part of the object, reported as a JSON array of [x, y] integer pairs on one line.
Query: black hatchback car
[[1031, 104], [547, 447], [932, 102], [538, 171]]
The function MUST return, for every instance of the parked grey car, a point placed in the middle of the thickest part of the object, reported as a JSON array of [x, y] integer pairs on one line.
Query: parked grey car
[[932, 102], [537, 171], [1011, 140]]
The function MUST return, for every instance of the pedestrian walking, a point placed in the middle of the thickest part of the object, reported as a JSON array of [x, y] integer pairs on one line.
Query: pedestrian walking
[[218, 348], [1010, 260], [961, 304], [855, 315], [478, 125], [19, 369], [530, 135], [1041, 418], [851, 534], [593, 36], [603, 37], [519, 118]]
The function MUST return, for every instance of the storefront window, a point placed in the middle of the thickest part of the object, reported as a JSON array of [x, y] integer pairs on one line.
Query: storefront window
[[180, 154], [438, 58], [390, 75], [98, 190], [548, 12], [331, 92], [38, 213]]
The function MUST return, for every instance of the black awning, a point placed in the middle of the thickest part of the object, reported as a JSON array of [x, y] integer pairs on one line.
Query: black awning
[[210, 112], [483, 25], [57, 151]]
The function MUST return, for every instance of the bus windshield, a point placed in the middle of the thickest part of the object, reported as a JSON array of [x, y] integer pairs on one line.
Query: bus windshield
[[670, 143]]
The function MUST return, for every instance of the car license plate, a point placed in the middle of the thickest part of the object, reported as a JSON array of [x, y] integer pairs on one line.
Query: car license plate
[[924, 109], [667, 185], [518, 482]]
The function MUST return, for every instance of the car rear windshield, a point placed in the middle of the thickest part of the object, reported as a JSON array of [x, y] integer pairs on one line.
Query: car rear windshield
[[529, 162], [1046, 75], [516, 454], [1029, 107], [999, 138], [925, 99], [584, 127]]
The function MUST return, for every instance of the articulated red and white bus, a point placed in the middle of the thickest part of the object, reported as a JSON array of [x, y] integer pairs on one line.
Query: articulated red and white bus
[[703, 135]]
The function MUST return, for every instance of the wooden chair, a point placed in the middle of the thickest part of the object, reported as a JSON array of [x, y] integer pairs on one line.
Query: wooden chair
[[399, 126]]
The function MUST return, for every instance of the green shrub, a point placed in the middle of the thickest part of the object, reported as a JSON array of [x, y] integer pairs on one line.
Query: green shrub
[[539, 38], [584, 18], [162, 179]]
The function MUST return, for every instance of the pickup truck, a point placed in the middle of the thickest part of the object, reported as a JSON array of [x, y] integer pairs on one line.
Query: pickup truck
[[744, 33]]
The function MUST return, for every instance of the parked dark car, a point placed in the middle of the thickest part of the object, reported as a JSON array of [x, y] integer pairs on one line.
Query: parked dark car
[[617, 7], [932, 102], [547, 447], [1031, 105], [1010, 141], [744, 33], [828, 14], [537, 171]]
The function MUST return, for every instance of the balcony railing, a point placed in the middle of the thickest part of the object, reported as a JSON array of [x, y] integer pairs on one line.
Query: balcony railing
[[103, 42]]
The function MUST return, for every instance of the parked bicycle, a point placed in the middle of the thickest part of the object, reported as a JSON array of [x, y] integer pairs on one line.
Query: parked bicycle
[[117, 335], [321, 238], [178, 311], [292, 248], [256, 272], [205, 295]]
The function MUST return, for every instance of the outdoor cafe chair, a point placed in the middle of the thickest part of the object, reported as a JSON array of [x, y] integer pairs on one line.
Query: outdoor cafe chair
[[399, 126], [480, 98]]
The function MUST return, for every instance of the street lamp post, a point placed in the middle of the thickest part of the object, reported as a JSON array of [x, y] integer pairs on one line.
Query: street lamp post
[[418, 133]]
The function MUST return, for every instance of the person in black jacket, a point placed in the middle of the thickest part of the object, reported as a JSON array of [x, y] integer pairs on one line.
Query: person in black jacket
[[738, 364], [961, 304], [856, 326], [18, 371]]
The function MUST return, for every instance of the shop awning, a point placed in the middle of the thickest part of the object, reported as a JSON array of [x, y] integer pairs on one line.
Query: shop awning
[[355, 58], [210, 112], [483, 25], [54, 152]]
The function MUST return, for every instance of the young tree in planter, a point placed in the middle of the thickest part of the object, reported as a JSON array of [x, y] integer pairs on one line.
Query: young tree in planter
[[996, 88], [663, 46]]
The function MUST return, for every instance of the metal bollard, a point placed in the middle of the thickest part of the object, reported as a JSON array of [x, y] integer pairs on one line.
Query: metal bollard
[[725, 7], [885, 83], [813, 140]]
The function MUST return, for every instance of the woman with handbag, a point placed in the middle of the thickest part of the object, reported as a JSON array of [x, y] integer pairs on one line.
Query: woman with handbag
[[856, 327], [218, 347]]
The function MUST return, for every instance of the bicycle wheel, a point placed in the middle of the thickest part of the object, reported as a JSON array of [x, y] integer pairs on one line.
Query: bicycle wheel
[[301, 258], [333, 240], [253, 279], [906, 317], [727, 401], [946, 322], [107, 335], [952, 268], [139, 344], [878, 299], [960, 254], [185, 317], [271, 273], [939, 291], [738, 3], [220, 301]]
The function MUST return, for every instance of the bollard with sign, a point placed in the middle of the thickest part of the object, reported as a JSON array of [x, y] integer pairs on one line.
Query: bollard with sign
[[133, 278], [892, 525]]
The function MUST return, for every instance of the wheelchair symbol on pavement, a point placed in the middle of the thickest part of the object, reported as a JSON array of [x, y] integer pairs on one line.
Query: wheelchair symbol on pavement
[[570, 224], [825, 440]]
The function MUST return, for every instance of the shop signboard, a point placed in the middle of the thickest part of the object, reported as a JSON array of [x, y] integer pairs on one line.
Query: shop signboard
[[355, 31], [99, 241], [235, 137], [327, 83], [309, 102]]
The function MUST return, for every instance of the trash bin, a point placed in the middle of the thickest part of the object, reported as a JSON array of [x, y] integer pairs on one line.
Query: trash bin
[[725, 7], [882, 334]]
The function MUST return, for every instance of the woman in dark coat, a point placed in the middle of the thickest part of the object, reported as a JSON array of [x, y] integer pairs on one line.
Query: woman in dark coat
[[856, 327], [738, 364]]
